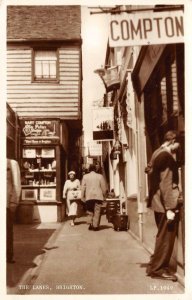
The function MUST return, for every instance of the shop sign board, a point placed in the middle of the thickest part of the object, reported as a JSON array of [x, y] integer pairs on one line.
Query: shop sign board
[[34, 132], [37, 141], [95, 149], [103, 123], [146, 28]]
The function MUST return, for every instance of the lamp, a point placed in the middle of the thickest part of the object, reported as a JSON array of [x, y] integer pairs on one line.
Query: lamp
[[110, 77], [100, 71], [116, 150], [117, 147]]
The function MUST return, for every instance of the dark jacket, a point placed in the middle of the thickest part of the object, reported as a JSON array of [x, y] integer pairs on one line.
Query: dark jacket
[[164, 181]]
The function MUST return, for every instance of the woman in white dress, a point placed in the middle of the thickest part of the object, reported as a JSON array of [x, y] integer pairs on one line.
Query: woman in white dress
[[71, 184]]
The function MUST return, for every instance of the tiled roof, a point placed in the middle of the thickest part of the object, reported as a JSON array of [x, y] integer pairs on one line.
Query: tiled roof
[[43, 22]]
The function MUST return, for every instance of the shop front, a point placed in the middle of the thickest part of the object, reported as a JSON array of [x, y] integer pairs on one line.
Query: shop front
[[158, 79], [40, 164]]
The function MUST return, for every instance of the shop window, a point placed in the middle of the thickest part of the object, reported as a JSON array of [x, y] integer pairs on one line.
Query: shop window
[[175, 107], [45, 64], [164, 100]]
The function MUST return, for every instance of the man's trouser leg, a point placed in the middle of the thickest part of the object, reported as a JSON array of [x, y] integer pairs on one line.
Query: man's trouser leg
[[164, 244], [97, 214], [90, 211]]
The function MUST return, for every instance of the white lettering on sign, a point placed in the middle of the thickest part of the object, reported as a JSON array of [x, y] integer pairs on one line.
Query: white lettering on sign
[[146, 28], [39, 128]]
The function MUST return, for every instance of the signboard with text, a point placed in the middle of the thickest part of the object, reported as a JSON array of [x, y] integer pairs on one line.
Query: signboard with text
[[146, 28], [103, 123], [95, 149], [36, 132], [35, 142]]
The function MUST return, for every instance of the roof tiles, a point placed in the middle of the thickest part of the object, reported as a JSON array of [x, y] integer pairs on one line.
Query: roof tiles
[[44, 22]]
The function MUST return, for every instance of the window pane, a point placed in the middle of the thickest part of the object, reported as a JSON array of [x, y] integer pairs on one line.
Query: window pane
[[38, 69], [45, 55], [45, 64], [53, 69], [45, 69], [164, 99]]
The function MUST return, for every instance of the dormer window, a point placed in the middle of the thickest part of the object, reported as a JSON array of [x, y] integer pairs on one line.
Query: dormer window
[[45, 65]]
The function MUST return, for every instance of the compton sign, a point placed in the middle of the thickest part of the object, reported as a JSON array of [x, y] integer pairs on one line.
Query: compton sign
[[146, 28]]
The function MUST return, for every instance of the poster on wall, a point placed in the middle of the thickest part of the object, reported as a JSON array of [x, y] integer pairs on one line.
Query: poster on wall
[[103, 123]]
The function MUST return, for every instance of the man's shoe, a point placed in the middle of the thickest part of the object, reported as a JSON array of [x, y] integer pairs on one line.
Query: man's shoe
[[164, 276], [90, 227], [95, 228]]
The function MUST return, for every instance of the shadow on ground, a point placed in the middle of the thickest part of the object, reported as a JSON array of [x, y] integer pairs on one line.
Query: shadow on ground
[[29, 241]]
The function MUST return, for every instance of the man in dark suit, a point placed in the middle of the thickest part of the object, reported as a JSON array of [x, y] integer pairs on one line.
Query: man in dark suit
[[93, 193], [163, 199]]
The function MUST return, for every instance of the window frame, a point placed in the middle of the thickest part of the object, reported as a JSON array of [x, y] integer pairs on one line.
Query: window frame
[[45, 80]]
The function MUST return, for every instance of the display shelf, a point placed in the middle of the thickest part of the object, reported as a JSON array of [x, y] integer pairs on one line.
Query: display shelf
[[39, 171], [29, 186], [38, 185], [48, 185], [47, 171]]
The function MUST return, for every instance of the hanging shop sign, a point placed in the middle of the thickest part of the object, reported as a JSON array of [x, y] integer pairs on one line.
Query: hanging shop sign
[[146, 28], [130, 103], [94, 149], [103, 123], [110, 78], [35, 132]]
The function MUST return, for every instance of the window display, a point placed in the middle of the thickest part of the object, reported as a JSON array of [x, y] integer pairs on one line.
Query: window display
[[38, 170]]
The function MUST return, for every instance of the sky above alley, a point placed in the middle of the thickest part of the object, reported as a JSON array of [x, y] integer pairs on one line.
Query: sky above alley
[[94, 36]]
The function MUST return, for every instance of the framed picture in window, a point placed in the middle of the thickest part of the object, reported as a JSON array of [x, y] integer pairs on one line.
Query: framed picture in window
[[48, 194], [48, 153], [29, 194], [29, 153]]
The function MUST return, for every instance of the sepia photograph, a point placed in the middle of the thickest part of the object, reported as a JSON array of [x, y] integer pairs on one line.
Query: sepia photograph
[[95, 100]]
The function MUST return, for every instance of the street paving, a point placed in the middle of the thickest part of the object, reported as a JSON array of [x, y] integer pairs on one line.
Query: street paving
[[83, 262]]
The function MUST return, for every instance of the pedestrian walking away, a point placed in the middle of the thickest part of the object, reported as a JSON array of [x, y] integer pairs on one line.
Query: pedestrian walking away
[[93, 193], [71, 185], [163, 199]]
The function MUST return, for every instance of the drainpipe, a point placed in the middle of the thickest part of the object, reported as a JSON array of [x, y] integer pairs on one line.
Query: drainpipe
[[140, 213], [140, 187], [116, 175], [111, 175]]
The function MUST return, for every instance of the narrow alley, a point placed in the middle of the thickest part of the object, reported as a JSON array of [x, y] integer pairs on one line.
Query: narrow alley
[[95, 123], [74, 260]]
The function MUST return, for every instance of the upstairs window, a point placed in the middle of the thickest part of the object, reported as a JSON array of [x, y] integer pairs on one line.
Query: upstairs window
[[45, 65]]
